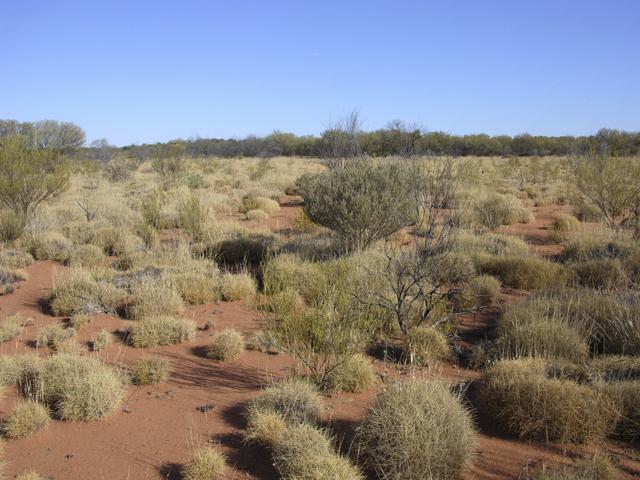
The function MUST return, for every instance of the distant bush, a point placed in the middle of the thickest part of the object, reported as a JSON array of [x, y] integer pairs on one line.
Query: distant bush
[[226, 345], [206, 464], [296, 400], [523, 401], [425, 345], [417, 429], [355, 375], [26, 418], [240, 286], [363, 202], [529, 273], [78, 388], [154, 331], [149, 370]]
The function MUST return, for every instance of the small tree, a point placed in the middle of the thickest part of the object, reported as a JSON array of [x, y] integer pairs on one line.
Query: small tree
[[611, 185], [29, 175], [363, 202]]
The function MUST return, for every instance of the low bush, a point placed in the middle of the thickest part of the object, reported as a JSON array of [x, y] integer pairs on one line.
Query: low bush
[[78, 388], [8, 278], [425, 345], [226, 345], [154, 331], [294, 399], [78, 291], [257, 215], [206, 463], [305, 453], [523, 401], [417, 429], [355, 375], [21, 371], [10, 328], [80, 232], [79, 320], [26, 418], [149, 370], [239, 286], [529, 273]]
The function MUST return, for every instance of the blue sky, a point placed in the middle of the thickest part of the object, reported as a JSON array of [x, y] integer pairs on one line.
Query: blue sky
[[144, 71]]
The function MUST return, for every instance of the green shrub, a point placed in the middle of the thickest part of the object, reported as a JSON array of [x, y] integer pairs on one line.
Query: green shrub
[[78, 388], [425, 345], [355, 375], [529, 273], [10, 328], [226, 345], [240, 286], [305, 453], [26, 418], [206, 464], [149, 370], [154, 331], [416, 430], [523, 401], [363, 202], [296, 400]]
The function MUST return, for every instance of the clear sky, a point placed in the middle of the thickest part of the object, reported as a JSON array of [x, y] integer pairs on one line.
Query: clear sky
[[144, 71]]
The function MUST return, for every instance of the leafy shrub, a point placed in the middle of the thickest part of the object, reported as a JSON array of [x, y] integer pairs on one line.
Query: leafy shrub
[[10, 328], [305, 453], [529, 273], [88, 256], [26, 418], [149, 370], [154, 331], [363, 202], [296, 400], [356, 374], [240, 286], [78, 291], [425, 345], [78, 388], [226, 345], [101, 340], [257, 215], [265, 427], [206, 464], [523, 401], [416, 430]]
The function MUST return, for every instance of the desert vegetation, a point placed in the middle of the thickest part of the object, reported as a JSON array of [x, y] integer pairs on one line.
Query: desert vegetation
[[358, 305]]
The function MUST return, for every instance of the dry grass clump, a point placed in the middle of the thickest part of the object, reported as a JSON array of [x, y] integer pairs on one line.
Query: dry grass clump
[[496, 209], [15, 258], [10, 328], [78, 291], [55, 336], [149, 370], [426, 345], [206, 463], [355, 375], [163, 330], [87, 256], [251, 202], [524, 401], [196, 288], [417, 429], [239, 286], [26, 418], [604, 273], [265, 427], [192, 216], [78, 388], [305, 453], [79, 320], [565, 223], [262, 341], [31, 475], [481, 291], [154, 297], [479, 245], [611, 368], [80, 232], [296, 400], [287, 271], [20, 370], [101, 340], [528, 273], [47, 246], [226, 345], [593, 467], [257, 215], [626, 395], [8, 278]]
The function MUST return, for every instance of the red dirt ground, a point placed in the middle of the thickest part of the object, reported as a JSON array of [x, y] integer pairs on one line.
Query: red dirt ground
[[152, 433]]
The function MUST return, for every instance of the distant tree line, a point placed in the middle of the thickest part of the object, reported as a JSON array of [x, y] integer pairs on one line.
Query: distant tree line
[[343, 139]]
